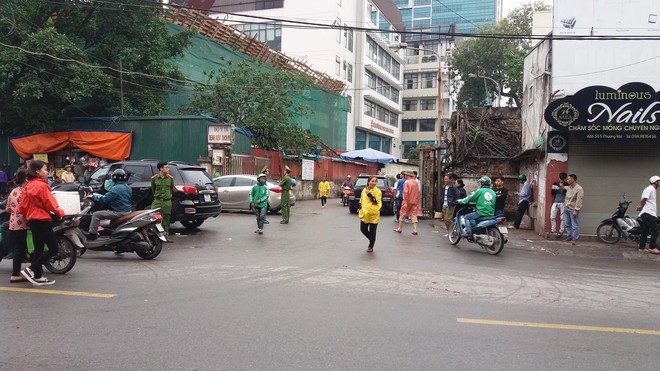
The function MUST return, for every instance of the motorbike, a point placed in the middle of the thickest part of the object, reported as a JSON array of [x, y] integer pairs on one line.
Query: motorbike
[[140, 232], [619, 225], [489, 231], [344, 198], [66, 256]]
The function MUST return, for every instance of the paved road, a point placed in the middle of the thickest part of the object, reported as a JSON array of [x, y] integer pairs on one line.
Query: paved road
[[306, 296]]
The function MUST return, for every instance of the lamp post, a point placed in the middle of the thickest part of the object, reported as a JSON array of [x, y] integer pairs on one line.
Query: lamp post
[[497, 85]]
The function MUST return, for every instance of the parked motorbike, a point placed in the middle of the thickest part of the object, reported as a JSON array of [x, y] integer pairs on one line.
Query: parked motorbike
[[489, 232], [344, 198], [140, 232], [619, 225]]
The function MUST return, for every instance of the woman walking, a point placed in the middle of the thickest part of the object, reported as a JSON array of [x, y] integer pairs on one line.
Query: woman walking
[[37, 204], [371, 200], [411, 205], [17, 237], [324, 187]]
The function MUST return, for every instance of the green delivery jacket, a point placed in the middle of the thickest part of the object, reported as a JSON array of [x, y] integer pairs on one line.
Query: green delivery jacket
[[485, 199]]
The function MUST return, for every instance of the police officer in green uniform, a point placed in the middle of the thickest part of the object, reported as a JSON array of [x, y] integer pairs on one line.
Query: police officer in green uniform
[[285, 183], [162, 185]]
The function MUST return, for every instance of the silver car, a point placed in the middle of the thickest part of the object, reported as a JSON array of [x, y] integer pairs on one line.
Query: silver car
[[234, 193]]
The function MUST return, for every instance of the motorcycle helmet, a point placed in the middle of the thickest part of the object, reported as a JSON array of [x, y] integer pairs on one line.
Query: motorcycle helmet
[[261, 175], [119, 175], [522, 177], [484, 180], [654, 179]]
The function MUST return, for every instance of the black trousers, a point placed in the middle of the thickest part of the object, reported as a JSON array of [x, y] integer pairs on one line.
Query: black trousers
[[522, 209], [369, 231], [649, 224], [324, 200], [18, 242], [42, 233]]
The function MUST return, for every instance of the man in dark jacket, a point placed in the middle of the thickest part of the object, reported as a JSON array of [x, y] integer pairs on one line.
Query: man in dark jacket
[[500, 196], [118, 199], [450, 198]]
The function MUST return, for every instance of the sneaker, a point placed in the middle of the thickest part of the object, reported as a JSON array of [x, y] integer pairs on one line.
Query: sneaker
[[29, 275], [261, 231], [266, 222], [323, 207], [257, 231], [43, 281]]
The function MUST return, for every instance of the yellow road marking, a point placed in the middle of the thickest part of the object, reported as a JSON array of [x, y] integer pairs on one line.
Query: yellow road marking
[[559, 326], [59, 292]]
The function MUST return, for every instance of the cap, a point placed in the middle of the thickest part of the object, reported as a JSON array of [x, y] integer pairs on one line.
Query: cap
[[522, 177], [287, 168], [654, 179]]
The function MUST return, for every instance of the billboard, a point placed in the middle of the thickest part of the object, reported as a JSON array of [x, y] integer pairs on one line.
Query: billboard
[[580, 63]]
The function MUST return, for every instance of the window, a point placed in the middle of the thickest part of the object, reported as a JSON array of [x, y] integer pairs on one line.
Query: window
[[411, 80], [369, 108], [374, 14], [350, 103], [339, 30], [429, 80], [407, 146], [409, 125], [360, 139], [349, 40], [427, 125], [427, 104], [223, 182], [410, 104], [385, 145], [374, 141], [338, 66], [137, 173], [371, 79], [349, 72], [373, 49], [244, 182], [269, 4]]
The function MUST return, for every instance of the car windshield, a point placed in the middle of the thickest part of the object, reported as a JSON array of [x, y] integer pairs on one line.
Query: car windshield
[[194, 176], [361, 182], [97, 176]]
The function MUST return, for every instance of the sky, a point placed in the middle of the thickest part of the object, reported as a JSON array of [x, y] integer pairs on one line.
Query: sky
[[507, 5]]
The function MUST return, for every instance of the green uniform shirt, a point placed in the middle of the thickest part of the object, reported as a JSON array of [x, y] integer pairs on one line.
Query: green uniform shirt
[[259, 195], [162, 188], [485, 199], [285, 183]]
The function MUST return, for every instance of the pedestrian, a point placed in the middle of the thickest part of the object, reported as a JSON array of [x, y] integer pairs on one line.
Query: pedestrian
[[572, 206], [266, 171], [501, 194], [38, 205], [524, 198], [162, 186], [324, 188], [398, 198], [559, 189], [411, 205], [649, 216], [68, 176], [449, 201], [259, 201], [4, 181], [285, 183], [17, 233], [371, 200], [462, 193], [419, 183]]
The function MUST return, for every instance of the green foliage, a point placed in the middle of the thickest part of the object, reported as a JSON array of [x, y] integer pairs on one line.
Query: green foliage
[[66, 58], [500, 59], [258, 98], [413, 156]]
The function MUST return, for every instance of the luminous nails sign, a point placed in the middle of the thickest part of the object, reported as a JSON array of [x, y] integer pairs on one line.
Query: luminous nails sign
[[604, 114]]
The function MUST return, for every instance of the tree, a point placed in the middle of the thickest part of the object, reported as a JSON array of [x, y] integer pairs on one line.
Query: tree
[[258, 98], [63, 58], [498, 58]]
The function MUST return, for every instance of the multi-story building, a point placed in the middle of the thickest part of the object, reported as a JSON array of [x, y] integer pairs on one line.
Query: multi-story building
[[363, 59], [467, 15]]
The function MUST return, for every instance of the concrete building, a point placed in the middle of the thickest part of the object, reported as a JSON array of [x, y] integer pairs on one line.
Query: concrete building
[[467, 15], [372, 70], [590, 107]]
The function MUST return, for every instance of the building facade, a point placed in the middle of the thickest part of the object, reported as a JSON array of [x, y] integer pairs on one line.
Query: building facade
[[363, 59], [467, 15]]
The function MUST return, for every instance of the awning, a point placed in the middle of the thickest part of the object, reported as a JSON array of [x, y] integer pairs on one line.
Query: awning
[[112, 145]]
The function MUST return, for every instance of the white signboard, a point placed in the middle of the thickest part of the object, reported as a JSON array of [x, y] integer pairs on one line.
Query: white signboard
[[307, 170], [220, 134]]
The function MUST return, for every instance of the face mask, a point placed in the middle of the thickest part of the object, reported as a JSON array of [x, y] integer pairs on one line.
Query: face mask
[[108, 184], [262, 181]]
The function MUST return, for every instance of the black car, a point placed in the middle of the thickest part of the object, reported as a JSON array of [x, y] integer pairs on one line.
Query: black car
[[383, 182], [195, 197]]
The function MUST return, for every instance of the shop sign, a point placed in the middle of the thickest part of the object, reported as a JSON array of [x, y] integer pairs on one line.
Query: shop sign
[[603, 114], [557, 142], [220, 134], [41, 157]]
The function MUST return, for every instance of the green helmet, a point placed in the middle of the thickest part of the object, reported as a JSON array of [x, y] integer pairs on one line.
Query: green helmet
[[522, 177], [484, 180]]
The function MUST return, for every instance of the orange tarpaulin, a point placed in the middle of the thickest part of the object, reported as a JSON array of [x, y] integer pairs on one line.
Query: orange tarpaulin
[[105, 144]]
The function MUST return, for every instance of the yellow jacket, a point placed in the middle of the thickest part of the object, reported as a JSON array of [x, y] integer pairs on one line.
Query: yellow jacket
[[370, 212], [324, 187]]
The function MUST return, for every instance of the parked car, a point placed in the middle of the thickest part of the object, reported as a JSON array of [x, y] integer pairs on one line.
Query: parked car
[[234, 193], [194, 199], [383, 182]]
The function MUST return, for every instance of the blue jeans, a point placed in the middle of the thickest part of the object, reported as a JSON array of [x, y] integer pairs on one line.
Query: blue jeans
[[572, 224], [468, 217], [260, 212]]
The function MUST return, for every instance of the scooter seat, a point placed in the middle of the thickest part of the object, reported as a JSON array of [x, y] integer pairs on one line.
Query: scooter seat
[[482, 218], [124, 218]]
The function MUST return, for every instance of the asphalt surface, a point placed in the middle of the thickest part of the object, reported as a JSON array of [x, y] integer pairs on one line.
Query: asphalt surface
[[306, 296]]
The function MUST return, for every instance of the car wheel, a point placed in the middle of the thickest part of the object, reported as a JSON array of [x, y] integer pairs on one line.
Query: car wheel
[[191, 224], [352, 208]]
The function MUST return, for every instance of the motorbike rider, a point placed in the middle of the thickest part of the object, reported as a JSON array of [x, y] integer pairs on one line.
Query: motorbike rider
[[485, 200], [118, 199], [648, 215], [347, 183]]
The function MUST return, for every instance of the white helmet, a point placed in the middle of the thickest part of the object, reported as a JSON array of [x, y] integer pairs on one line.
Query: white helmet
[[654, 179], [264, 175]]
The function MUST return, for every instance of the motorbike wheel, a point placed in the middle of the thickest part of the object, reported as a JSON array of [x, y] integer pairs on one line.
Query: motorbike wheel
[[498, 245], [608, 233], [454, 234], [155, 247], [65, 258]]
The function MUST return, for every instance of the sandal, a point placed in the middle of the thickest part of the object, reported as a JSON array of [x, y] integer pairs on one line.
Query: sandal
[[397, 230], [414, 233], [17, 279]]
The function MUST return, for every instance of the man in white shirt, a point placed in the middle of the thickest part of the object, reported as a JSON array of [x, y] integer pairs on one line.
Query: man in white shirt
[[649, 217]]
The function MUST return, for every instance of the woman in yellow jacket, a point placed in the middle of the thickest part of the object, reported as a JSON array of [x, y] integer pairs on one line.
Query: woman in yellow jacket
[[371, 200], [324, 187]]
